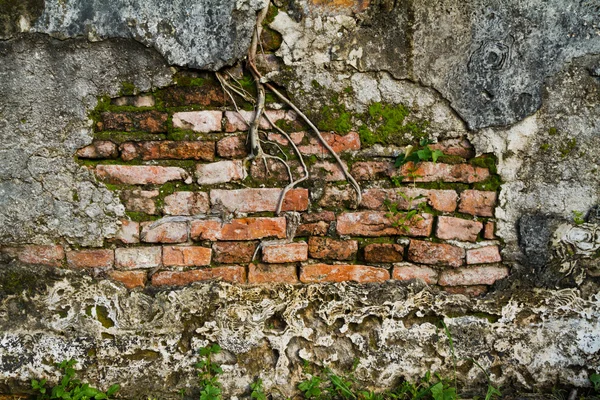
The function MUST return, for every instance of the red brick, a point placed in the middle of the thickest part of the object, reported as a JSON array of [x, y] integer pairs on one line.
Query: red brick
[[338, 197], [339, 7], [432, 172], [99, 149], [276, 171], [316, 273], [168, 150], [484, 255], [384, 253], [327, 216], [338, 143], [164, 232], [148, 121], [39, 254], [208, 94], [423, 252], [313, 229], [489, 230], [328, 171], [441, 200], [239, 229], [141, 174], [129, 232], [138, 257], [455, 147], [233, 274], [131, 279], [234, 252], [272, 273], [476, 202], [406, 271], [146, 100], [140, 200], [372, 170], [97, 258], [277, 253], [327, 248], [220, 172], [457, 228], [186, 256], [470, 291], [257, 200], [297, 138], [484, 275], [232, 147], [186, 203], [377, 223], [198, 121]]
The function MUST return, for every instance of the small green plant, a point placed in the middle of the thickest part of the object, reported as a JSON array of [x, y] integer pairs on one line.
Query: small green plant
[[208, 373], [258, 390], [578, 217], [422, 153], [405, 219], [70, 388], [595, 379]]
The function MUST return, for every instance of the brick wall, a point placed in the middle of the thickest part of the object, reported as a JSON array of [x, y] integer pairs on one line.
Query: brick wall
[[199, 210]]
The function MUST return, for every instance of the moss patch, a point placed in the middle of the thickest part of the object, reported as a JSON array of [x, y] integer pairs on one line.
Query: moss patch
[[386, 124]]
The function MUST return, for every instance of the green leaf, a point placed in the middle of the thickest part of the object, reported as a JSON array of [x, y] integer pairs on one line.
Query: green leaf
[[113, 389], [492, 392], [595, 379], [436, 154], [399, 160], [424, 154]]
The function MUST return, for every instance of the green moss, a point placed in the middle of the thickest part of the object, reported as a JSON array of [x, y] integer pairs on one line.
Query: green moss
[[144, 354], [386, 124], [488, 161], [127, 89], [271, 14], [552, 131], [335, 118], [491, 184], [75, 196], [140, 217], [121, 137], [102, 316], [566, 148], [545, 146], [183, 79]]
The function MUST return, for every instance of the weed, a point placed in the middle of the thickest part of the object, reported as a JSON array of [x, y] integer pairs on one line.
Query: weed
[[578, 217], [208, 373], [257, 390], [69, 388]]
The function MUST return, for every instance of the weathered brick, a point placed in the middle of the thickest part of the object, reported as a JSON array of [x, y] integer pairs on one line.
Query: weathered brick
[[140, 200], [50, 255], [130, 279], [146, 100], [432, 172], [338, 143], [327, 248], [168, 150], [489, 230], [138, 257], [338, 197], [209, 94], [186, 203], [164, 232], [457, 228], [220, 172], [141, 174], [148, 121], [484, 255], [233, 274], [343, 7], [276, 171], [278, 253], [97, 258], [423, 252], [239, 229], [313, 229], [99, 149], [238, 121], [377, 223], [477, 202], [470, 291], [234, 252], [441, 200], [257, 200], [483, 275], [232, 147], [198, 121], [372, 170], [272, 273], [129, 232], [455, 147], [186, 256], [384, 253], [316, 273], [297, 138], [327, 216], [407, 271], [327, 170]]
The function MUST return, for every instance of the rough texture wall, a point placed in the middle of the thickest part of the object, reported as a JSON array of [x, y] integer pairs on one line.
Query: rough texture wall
[[124, 181]]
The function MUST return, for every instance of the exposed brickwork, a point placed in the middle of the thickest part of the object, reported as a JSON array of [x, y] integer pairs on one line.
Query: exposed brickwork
[[141, 174], [147, 121], [316, 273], [232, 147], [209, 94], [484, 275], [476, 202], [441, 200], [272, 273], [186, 203], [99, 149], [484, 255], [130, 279], [406, 271], [164, 232], [234, 252], [138, 257], [458, 229], [168, 150], [129, 232], [233, 274], [257, 200], [146, 100], [383, 253], [313, 229], [220, 172], [455, 147], [99, 258], [140, 200], [198, 121], [332, 249], [239, 229], [186, 256], [44, 255], [278, 253], [375, 223], [423, 252], [489, 230], [327, 170]]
